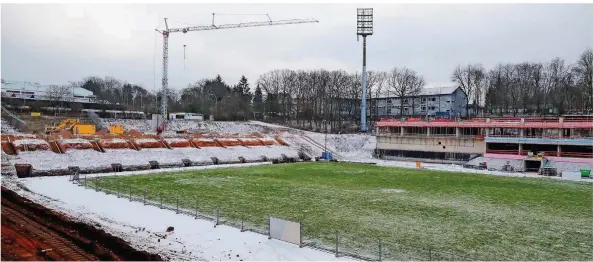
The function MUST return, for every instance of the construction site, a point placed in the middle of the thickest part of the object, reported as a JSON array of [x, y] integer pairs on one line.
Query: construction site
[[86, 179]]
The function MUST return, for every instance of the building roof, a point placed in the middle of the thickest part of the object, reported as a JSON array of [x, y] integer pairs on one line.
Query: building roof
[[425, 92], [438, 91], [26, 86]]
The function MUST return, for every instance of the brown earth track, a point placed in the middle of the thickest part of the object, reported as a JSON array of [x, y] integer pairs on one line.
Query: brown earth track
[[28, 228]]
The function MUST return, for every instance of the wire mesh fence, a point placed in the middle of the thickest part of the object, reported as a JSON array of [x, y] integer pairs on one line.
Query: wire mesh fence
[[340, 243]]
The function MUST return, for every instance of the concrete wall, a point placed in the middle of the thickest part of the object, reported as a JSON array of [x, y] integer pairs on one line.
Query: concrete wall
[[431, 144]]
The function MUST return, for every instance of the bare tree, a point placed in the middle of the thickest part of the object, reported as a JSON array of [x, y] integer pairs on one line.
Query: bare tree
[[59, 94], [584, 77], [405, 82], [471, 81]]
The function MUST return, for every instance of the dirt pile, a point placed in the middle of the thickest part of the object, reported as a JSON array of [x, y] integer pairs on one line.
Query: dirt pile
[[33, 232]]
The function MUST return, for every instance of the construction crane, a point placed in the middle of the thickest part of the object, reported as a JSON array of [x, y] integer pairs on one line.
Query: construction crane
[[168, 31]]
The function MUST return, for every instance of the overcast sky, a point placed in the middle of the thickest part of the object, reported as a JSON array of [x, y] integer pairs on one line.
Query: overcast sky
[[57, 43]]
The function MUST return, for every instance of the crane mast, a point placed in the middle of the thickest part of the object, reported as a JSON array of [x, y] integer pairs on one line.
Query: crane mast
[[167, 31]]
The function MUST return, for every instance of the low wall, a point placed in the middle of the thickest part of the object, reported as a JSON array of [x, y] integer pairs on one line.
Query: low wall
[[432, 144]]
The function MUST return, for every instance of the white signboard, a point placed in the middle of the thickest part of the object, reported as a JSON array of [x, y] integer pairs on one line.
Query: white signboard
[[285, 230]]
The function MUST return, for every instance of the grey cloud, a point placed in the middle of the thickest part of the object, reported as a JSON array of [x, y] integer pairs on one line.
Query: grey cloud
[[56, 43]]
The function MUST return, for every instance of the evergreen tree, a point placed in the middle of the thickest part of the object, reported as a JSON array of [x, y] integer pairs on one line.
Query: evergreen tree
[[258, 102]]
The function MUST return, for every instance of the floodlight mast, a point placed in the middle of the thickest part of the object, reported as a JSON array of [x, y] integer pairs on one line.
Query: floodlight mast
[[364, 28], [167, 31]]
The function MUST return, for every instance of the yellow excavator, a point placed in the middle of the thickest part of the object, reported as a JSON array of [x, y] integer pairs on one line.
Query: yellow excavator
[[72, 125], [79, 128]]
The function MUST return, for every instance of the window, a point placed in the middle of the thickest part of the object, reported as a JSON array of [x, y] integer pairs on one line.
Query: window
[[433, 99], [448, 101], [405, 101], [432, 108], [423, 108], [423, 100]]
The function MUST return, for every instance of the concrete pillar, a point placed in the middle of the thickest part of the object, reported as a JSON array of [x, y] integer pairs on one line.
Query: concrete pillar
[[522, 120], [561, 119], [428, 131], [561, 132], [520, 148], [558, 150], [521, 132], [402, 131], [457, 132]]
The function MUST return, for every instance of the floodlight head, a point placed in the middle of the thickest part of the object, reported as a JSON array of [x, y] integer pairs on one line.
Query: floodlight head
[[364, 21]]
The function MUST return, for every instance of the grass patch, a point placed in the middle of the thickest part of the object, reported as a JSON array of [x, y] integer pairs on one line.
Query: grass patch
[[409, 210]]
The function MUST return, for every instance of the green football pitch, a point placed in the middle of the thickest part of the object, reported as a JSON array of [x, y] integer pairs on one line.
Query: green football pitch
[[409, 211]]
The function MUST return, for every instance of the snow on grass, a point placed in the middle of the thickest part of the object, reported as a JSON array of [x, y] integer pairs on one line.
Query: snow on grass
[[144, 226], [473, 216]]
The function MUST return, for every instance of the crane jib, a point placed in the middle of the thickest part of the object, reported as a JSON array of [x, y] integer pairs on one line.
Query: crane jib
[[167, 31]]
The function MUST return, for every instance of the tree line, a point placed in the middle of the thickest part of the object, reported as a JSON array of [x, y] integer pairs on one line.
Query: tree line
[[310, 98]]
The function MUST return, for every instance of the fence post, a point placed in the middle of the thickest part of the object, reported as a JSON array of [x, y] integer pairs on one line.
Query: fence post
[[337, 242], [242, 227], [144, 197], [217, 217], [196, 208], [380, 254], [117, 188], [429, 255], [130, 187], [161, 195], [269, 233], [85, 185], [177, 201]]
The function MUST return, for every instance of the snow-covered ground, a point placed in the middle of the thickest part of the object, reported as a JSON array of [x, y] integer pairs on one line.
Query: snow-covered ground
[[90, 159], [7, 128], [144, 226], [144, 126]]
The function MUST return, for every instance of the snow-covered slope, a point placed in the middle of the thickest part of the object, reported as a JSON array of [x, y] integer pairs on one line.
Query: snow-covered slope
[[193, 239], [90, 159], [7, 128]]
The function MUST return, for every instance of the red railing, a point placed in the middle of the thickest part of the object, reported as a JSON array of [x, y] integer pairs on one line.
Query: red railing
[[543, 136]]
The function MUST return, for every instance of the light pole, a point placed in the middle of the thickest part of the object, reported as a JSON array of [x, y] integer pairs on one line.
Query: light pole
[[325, 145], [364, 28]]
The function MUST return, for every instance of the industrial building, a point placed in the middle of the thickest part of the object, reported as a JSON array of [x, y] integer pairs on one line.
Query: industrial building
[[440, 101], [30, 91]]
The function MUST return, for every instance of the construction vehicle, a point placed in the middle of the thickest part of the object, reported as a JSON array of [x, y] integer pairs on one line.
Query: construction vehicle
[[72, 125], [116, 129]]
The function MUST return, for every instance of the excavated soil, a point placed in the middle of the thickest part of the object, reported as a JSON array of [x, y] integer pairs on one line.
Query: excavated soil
[[31, 232]]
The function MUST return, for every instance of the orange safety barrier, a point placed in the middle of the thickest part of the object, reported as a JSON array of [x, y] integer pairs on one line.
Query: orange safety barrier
[[148, 143], [229, 142], [267, 142], [205, 142], [280, 141], [31, 145], [177, 142], [8, 148], [116, 143], [79, 145], [251, 142]]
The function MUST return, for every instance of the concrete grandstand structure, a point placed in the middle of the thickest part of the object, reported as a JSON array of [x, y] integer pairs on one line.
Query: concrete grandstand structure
[[526, 144]]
